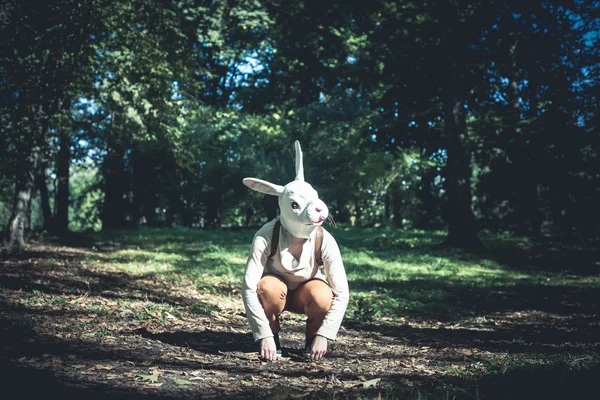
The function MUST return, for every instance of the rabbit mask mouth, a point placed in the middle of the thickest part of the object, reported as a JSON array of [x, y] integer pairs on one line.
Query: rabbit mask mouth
[[319, 221]]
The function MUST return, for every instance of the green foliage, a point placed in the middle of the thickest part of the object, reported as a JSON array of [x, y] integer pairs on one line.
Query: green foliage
[[169, 105], [5, 209], [87, 198], [365, 309]]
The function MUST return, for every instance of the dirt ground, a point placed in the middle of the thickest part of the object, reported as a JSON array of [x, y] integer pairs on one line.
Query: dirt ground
[[73, 330]]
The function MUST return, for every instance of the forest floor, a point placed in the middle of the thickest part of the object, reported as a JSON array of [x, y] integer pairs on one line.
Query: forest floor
[[158, 314]]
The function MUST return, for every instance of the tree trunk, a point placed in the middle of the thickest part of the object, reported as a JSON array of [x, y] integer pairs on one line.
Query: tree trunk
[[62, 194], [517, 147], [397, 207], [170, 211], [149, 206], [428, 200], [145, 199], [28, 214], [525, 196], [271, 206], [113, 211], [213, 212], [387, 208], [462, 231], [249, 215], [40, 182], [532, 204], [29, 156], [176, 207]]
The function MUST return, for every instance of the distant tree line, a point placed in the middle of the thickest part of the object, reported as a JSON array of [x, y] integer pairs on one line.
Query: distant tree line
[[436, 114]]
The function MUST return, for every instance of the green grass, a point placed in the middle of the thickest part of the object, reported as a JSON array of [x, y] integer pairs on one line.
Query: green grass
[[393, 274]]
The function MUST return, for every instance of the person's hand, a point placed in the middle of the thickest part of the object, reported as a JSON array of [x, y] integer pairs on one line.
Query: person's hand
[[319, 348], [268, 350]]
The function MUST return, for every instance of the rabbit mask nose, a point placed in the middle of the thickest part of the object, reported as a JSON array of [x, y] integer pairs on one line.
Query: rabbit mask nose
[[317, 210]]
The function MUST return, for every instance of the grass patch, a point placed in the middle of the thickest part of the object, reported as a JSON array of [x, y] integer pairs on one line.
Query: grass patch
[[392, 274]]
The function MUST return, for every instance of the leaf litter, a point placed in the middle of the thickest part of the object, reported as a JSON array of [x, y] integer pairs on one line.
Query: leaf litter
[[87, 324]]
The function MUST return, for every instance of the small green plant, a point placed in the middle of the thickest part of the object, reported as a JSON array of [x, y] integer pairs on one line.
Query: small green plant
[[80, 326], [100, 310], [204, 309], [207, 288], [101, 332], [58, 301], [143, 315], [366, 309], [438, 263]]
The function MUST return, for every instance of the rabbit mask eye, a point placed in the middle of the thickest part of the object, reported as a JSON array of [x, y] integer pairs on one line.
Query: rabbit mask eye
[[295, 206]]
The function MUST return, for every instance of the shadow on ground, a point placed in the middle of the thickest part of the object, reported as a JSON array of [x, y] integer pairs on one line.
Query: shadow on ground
[[66, 334]]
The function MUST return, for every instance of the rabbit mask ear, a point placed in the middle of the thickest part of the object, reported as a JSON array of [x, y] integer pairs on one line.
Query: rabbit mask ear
[[299, 165], [263, 186]]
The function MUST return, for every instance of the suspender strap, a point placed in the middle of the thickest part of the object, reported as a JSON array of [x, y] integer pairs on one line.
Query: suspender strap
[[275, 239], [318, 243]]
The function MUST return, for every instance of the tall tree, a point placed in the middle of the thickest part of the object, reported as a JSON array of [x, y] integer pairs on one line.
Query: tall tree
[[42, 49], [30, 69], [63, 162]]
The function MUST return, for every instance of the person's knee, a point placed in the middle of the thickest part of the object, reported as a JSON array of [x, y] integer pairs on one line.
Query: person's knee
[[320, 298], [271, 288]]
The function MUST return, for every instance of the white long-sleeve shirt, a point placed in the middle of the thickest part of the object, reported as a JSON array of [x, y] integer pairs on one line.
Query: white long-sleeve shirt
[[294, 272]]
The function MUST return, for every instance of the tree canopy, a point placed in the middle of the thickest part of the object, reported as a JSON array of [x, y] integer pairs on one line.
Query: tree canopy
[[437, 114]]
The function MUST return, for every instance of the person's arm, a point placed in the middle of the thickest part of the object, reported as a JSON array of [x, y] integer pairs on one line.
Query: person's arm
[[257, 260], [336, 276], [259, 324]]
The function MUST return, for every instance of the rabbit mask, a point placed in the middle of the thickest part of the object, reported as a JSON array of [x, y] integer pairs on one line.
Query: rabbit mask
[[301, 209]]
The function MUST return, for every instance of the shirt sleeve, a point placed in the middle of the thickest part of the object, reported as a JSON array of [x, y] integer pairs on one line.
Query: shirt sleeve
[[336, 276], [257, 260]]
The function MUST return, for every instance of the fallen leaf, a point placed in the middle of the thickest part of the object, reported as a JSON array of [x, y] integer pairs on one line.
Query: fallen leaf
[[371, 383], [182, 382], [171, 316], [147, 378], [301, 395], [228, 388]]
